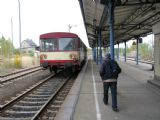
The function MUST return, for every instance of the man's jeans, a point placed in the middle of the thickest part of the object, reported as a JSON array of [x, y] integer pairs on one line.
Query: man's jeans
[[113, 87]]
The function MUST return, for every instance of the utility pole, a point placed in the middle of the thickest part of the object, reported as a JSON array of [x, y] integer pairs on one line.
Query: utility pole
[[12, 36], [19, 25]]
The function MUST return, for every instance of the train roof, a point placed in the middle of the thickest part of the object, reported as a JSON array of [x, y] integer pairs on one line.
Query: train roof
[[57, 35]]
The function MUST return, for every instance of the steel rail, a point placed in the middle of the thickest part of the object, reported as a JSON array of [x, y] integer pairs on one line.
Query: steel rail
[[20, 75], [19, 71], [142, 61], [2, 107], [49, 100]]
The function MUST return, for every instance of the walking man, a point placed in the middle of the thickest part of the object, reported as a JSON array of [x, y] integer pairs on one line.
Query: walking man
[[109, 71]]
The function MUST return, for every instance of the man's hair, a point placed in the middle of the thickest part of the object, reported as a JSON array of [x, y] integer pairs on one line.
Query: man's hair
[[108, 56]]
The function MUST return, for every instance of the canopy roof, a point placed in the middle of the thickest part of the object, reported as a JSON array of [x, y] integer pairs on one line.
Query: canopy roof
[[133, 18]]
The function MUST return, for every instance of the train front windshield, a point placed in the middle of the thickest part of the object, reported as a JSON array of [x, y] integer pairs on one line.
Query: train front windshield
[[61, 44], [48, 45], [67, 44]]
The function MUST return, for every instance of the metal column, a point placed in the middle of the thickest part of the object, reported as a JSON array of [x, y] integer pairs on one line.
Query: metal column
[[94, 54], [118, 52], [99, 44], [97, 53], [125, 51], [137, 51], [111, 22]]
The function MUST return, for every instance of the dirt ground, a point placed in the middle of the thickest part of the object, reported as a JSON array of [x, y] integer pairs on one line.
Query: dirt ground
[[29, 61]]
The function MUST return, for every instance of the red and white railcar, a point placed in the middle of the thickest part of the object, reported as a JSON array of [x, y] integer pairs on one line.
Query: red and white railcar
[[59, 50]]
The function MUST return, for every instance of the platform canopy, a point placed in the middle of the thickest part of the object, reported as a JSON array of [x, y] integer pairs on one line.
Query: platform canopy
[[133, 19]]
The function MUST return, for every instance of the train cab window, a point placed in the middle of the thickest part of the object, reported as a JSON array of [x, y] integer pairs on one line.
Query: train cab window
[[68, 44], [48, 45]]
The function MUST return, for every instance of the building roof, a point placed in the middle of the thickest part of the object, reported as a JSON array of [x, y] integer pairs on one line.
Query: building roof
[[133, 18], [57, 35], [29, 42]]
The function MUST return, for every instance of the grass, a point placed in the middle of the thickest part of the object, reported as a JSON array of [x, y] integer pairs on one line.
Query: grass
[[16, 63]]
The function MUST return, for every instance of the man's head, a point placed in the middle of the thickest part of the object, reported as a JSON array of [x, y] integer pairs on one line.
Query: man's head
[[108, 56]]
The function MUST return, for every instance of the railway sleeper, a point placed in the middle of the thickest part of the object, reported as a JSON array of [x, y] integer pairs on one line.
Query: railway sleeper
[[43, 90], [19, 114], [25, 108], [65, 92], [52, 86], [47, 118], [38, 96], [61, 95], [60, 98], [57, 103], [56, 106], [53, 109], [35, 99], [42, 93], [24, 103]]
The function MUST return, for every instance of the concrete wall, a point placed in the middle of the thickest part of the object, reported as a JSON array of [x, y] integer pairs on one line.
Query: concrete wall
[[156, 31]]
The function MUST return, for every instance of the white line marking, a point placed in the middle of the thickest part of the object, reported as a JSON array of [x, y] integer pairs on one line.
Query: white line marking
[[98, 114]]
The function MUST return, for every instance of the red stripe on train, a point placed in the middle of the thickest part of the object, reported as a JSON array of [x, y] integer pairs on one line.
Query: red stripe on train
[[59, 62]]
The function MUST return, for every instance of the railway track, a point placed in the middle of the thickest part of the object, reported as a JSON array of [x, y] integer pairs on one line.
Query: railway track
[[42, 101], [18, 71], [142, 61], [18, 74]]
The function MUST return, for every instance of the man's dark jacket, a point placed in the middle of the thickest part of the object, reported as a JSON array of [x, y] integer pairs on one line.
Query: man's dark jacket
[[105, 70]]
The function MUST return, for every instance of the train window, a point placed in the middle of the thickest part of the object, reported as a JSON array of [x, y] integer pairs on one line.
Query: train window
[[67, 44], [48, 45]]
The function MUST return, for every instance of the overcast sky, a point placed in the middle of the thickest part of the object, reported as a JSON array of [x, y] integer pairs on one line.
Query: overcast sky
[[40, 16]]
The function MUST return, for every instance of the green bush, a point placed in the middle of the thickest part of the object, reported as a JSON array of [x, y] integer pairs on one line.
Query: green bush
[[31, 53]]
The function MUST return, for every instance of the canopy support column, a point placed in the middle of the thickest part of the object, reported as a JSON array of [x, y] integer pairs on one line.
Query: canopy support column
[[137, 51], [97, 53], [125, 51], [100, 48], [111, 26], [118, 52], [94, 54]]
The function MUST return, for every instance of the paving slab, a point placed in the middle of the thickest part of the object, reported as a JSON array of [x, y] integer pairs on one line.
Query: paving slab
[[137, 100]]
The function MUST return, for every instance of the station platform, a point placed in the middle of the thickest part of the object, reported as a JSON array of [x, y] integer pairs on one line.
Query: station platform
[[137, 99]]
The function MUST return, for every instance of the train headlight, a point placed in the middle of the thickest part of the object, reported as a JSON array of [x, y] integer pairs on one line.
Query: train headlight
[[74, 56], [43, 56]]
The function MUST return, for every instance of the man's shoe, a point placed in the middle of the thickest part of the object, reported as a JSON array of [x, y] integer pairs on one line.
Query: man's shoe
[[115, 109], [106, 103]]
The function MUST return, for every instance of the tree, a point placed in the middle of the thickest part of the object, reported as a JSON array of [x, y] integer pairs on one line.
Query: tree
[[6, 47], [145, 51]]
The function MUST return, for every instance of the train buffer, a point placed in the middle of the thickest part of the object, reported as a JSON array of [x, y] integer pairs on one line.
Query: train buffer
[[137, 99]]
